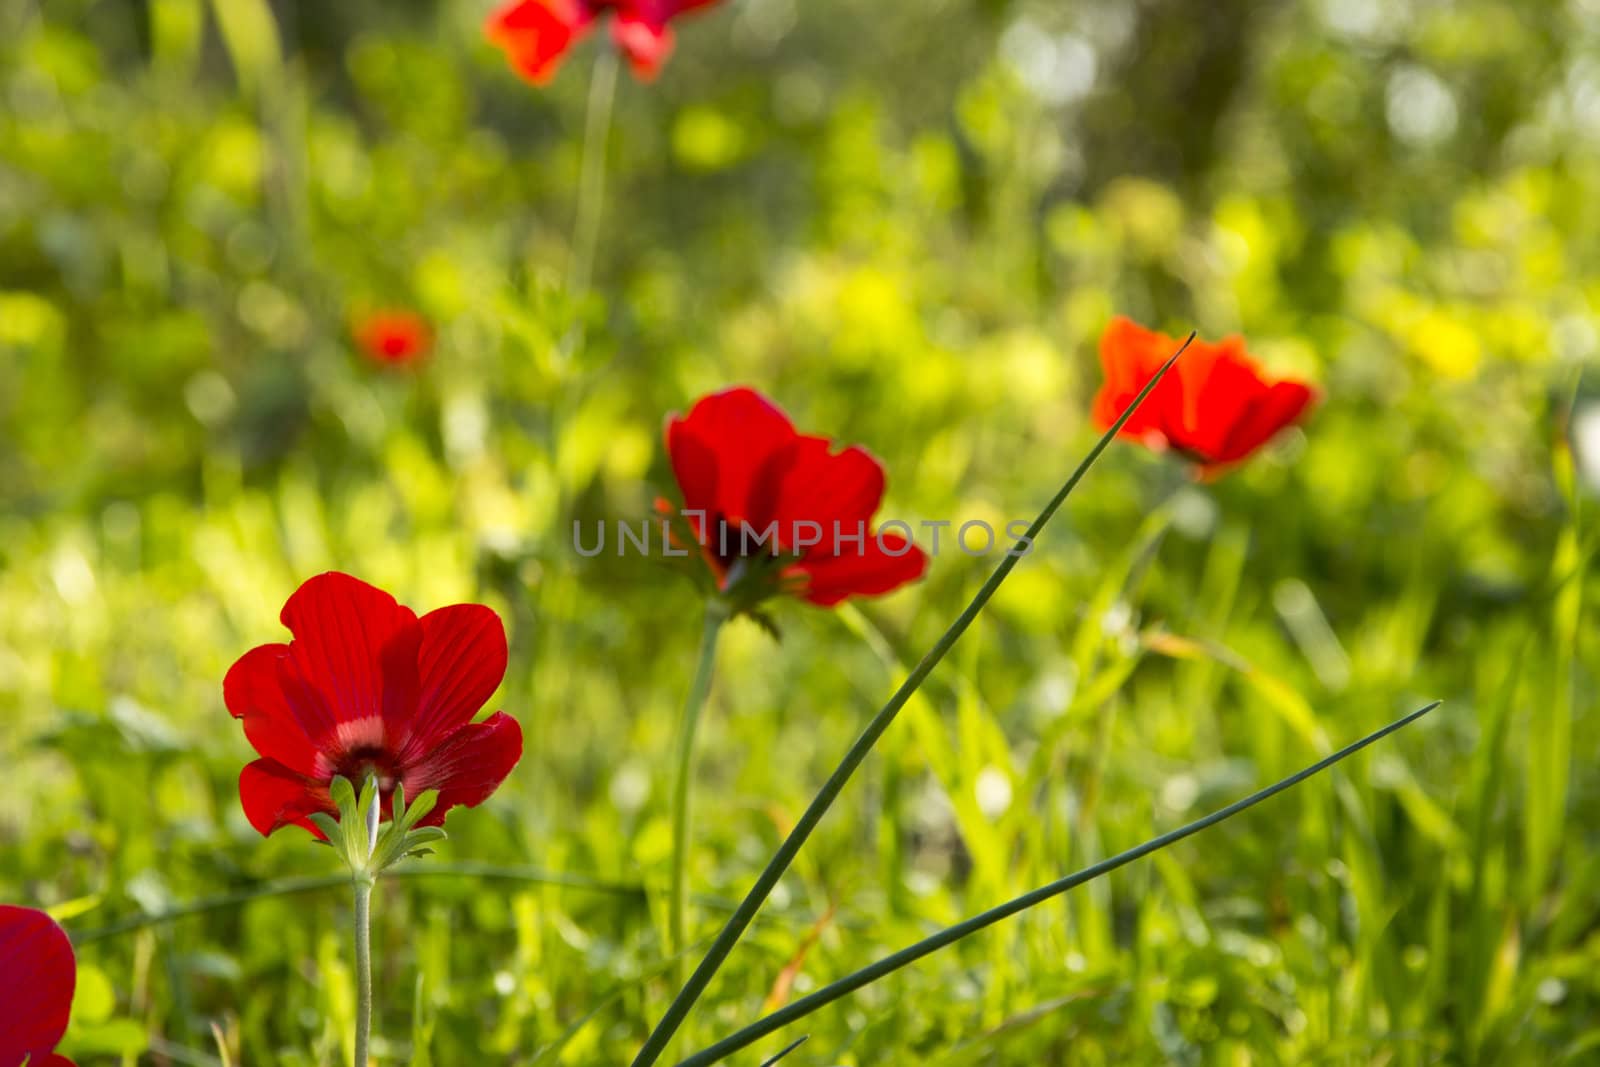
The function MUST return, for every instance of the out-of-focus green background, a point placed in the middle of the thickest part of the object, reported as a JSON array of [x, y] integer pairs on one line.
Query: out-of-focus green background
[[907, 223]]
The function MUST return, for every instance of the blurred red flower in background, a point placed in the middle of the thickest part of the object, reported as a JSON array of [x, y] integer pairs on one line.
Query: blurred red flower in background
[[738, 459], [536, 34], [1214, 407], [394, 337], [368, 688], [37, 977]]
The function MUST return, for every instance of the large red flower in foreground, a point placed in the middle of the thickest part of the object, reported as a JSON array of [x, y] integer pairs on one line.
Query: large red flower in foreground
[[367, 688], [1215, 406], [394, 337], [37, 978], [782, 504], [536, 34]]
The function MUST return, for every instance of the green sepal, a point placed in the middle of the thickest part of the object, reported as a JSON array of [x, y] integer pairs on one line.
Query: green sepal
[[330, 829], [402, 836]]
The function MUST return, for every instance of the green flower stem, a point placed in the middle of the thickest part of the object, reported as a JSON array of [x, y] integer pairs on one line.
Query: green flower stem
[[736, 925], [592, 178], [683, 783], [891, 963], [363, 885]]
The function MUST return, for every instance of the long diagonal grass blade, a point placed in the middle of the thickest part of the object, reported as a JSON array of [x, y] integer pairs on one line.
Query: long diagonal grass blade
[[657, 1042], [948, 936]]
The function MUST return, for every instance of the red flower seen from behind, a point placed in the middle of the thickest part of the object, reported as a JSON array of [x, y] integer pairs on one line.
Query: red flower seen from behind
[[394, 337], [1215, 406], [782, 510], [37, 977], [536, 34], [368, 688]]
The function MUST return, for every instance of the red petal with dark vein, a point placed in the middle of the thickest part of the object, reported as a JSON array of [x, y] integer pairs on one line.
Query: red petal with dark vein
[[355, 649], [461, 663], [469, 766]]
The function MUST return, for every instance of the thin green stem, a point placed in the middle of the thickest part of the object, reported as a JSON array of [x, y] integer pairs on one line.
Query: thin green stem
[[592, 175], [656, 1043], [363, 886], [894, 962], [683, 783]]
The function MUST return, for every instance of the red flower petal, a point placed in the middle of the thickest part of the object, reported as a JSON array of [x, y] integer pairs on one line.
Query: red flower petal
[[808, 482], [1279, 406], [877, 568], [694, 465], [394, 337], [662, 10], [274, 797], [536, 34], [37, 977], [462, 662], [646, 43], [253, 693], [722, 443], [1215, 406], [468, 766], [1130, 356], [355, 651], [1214, 388]]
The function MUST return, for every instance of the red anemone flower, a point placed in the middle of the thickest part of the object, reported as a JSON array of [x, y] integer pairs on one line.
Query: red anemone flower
[[37, 978], [1214, 407], [783, 505], [536, 34], [394, 337], [368, 688]]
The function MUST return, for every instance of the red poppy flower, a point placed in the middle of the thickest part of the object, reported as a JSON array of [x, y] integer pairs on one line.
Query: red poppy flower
[[782, 507], [367, 688], [37, 977], [394, 337], [536, 34], [1214, 407]]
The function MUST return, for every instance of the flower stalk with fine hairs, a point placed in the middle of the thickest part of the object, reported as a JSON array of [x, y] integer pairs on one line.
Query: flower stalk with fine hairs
[[368, 848]]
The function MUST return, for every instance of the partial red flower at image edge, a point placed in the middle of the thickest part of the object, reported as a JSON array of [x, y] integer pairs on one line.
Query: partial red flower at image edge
[[537, 34], [38, 975], [368, 688], [739, 460], [1216, 407]]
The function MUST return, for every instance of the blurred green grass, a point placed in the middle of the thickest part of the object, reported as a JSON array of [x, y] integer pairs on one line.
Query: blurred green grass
[[906, 223]]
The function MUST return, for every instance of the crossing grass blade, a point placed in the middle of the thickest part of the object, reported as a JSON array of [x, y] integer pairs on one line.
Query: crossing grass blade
[[950, 935]]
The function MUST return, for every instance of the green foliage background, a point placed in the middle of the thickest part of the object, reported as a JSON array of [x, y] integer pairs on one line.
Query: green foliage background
[[908, 224]]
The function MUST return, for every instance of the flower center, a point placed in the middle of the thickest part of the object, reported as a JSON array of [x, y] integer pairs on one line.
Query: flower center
[[359, 764]]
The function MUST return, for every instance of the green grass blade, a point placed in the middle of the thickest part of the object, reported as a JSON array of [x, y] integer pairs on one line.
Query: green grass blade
[[894, 962]]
